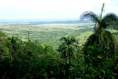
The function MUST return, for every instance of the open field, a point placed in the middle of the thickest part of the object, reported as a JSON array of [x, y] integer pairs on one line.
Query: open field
[[50, 34]]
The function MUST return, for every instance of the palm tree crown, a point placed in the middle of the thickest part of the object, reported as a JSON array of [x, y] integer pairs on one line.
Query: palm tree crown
[[103, 22], [67, 47]]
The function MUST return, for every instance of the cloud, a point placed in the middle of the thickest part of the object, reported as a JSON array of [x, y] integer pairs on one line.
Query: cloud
[[31, 9]]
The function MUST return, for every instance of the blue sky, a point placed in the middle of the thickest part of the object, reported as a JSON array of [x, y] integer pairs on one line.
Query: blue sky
[[52, 9]]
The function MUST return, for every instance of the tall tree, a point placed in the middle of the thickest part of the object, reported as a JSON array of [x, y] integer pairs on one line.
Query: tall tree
[[101, 36], [67, 50], [67, 47], [14, 46]]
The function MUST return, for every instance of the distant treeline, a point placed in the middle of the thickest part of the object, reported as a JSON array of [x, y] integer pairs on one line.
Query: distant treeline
[[47, 22]]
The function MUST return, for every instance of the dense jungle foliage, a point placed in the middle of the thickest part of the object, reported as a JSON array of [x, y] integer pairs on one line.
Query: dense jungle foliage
[[31, 60]]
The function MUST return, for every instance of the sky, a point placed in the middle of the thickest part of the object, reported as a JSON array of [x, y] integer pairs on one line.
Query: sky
[[52, 9]]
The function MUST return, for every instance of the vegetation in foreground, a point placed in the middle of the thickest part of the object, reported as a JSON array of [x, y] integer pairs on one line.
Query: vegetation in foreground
[[102, 37], [29, 60]]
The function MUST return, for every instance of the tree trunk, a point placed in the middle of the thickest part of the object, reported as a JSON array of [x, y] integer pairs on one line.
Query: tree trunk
[[12, 54]]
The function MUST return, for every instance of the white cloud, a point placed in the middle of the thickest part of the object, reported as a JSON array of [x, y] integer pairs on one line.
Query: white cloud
[[15, 9]]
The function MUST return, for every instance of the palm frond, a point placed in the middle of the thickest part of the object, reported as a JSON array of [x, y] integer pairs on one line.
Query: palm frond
[[109, 19], [102, 9], [90, 15], [62, 47], [63, 39], [73, 40]]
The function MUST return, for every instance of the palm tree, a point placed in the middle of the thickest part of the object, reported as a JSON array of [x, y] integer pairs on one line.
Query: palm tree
[[28, 33], [67, 50], [67, 47], [108, 20], [14, 46], [101, 36]]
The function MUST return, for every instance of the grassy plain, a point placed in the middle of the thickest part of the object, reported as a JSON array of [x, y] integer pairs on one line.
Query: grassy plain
[[49, 34]]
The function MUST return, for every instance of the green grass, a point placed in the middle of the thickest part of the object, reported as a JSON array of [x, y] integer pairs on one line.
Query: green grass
[[83, 37]]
